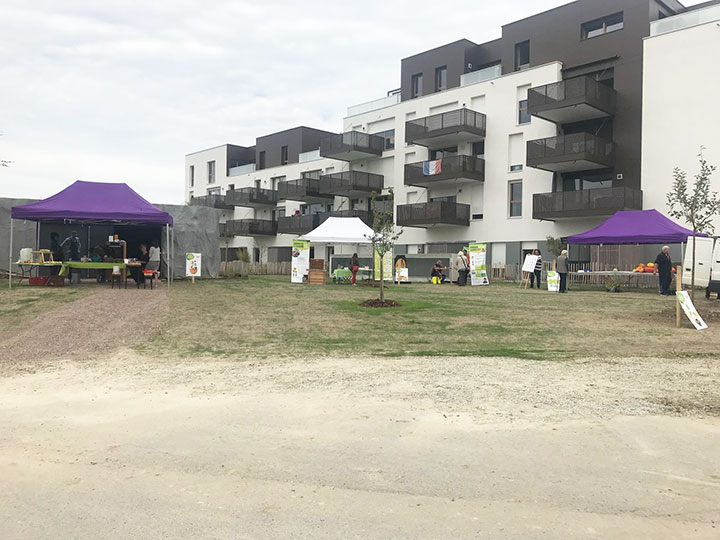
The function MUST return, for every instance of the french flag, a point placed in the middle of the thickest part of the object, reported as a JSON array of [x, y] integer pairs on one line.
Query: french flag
[[431, 168]]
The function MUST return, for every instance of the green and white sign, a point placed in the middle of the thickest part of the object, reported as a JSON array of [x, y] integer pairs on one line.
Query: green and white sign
[[193, 264], [553, 281], [478, 264], [387, 266], [300, 263], [690, 311]]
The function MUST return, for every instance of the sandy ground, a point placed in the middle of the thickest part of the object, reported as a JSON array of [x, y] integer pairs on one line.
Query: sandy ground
[[123, 446]]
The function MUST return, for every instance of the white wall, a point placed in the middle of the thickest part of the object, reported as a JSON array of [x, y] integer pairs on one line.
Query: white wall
[[681, 89]]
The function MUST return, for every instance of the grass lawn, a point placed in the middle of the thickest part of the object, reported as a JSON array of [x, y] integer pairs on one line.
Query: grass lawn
[[268, 316], [22, 304]]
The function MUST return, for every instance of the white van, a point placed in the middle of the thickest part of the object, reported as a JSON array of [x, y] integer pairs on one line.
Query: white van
[[703, 262], [715, 275]]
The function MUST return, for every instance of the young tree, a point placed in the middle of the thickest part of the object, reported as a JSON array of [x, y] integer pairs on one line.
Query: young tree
[[384, 236], [697, 205], [555, 245]]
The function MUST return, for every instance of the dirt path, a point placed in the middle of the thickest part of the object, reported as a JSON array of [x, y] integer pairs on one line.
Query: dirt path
[[92, 327]]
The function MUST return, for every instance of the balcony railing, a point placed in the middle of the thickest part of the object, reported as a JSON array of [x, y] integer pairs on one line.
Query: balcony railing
[[352, 146], [351, 183], [365, 215], [303, 189], [253, 197], [454, 168], [433, 213], [298, 224], [588, 202], [251, 227], [446, 128], [575, 152], [388, 101], [481, 75], [214, 200], [572, 100]]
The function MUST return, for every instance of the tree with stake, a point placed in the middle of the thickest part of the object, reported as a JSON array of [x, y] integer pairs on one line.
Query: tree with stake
[[384, 236], [697, 207]]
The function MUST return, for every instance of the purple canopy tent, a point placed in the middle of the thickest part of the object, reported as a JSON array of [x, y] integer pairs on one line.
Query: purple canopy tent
[[93, 202], [635, 227]]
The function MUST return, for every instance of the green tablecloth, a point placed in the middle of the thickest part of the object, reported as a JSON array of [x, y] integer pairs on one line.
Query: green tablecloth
[[342, 273], [65, 270]]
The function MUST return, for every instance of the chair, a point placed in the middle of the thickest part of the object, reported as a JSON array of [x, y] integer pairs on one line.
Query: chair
[[116, 277]]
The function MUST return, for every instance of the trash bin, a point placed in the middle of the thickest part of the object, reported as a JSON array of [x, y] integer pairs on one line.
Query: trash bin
[[74, 276]]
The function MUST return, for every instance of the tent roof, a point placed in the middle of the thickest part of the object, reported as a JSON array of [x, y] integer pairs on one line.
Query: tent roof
[[338, 230], [94, 201], [635, 227]]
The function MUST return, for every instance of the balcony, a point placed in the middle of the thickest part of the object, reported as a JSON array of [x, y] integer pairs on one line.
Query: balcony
[[446, 129], [251, 227], [352, 146], [433, 213], [298, 224], [448, 171], [573, 100], [214, 200], [253, 197], [568, 153], [304, 189], [585, 203], [352, 184]]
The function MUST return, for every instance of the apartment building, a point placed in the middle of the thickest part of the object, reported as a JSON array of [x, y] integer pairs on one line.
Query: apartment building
[[535, 134]]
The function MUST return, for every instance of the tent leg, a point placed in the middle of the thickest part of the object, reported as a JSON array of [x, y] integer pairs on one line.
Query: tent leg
[[167, 253], [10, 255], [172, 253], [37, 235]]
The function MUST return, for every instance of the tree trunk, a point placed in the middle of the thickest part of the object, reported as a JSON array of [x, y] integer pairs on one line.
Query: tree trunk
[[382, 280], [692, 278]]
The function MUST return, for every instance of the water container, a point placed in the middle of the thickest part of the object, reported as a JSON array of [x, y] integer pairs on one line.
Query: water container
[[25, 254]]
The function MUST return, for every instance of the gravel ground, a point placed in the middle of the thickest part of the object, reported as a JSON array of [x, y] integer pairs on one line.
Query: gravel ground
[[93, 327]]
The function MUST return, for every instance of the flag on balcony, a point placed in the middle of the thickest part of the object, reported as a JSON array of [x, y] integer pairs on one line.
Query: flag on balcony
[[431, 168]]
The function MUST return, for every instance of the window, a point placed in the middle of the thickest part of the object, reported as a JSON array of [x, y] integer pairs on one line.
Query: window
[[451, 198], [443, 153], [523, 115], [211, 172], [515, 196], [192, 175], [274, 181], [522, 55], [478, 149], [441, 78], [312, 174], [213, 191], [516, 168], [284, 155], [477, 216], [389, 137], [601, 26], [261, 159], [416, 87], [258, 184]]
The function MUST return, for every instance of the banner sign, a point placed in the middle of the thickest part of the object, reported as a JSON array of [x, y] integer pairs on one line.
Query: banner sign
[[193, 264], [690, 311], [553, 281], [402, 275], [387, 266], [530, 263], [478, 264], [300, 263]]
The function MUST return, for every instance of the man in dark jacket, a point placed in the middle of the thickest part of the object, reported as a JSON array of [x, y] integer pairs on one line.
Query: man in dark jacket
[[663, 267]]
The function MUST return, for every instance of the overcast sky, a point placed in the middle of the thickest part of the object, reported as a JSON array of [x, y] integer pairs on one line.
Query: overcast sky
[[121, 90]]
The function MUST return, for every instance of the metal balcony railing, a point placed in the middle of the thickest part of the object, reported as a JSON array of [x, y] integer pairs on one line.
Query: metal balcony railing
[[352, 145], [252, 196], [433, 213], [571, 92], [301, 190], [457, 121], [298, 224], [451, 168], [574, 147], [588, 202], [251, 227], [351, 181], [214, 200]]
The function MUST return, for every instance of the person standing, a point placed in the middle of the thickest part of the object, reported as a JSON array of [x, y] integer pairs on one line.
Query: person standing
[[561, 267], [663, 267], [74, 245], [537, 273], [354, 267], [463, 269]]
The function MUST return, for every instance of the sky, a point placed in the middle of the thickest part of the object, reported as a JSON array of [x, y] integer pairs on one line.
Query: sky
[[121, 90]]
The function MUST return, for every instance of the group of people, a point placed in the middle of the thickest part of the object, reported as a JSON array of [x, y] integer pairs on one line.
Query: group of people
[[462, 265], [562, 267]]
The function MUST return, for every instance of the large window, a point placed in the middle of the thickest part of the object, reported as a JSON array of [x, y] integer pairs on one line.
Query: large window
[[389, 137], [441, 78], [261, 160], [515, 198], [192, 175], [523, 115], [416, 88], [601, 26], [284, 155], [522, 55], [211, 172], [443, 153], [478, 149]]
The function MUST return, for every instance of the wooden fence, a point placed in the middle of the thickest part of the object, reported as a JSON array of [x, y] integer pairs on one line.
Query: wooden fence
[[513, 273], [240, 268]]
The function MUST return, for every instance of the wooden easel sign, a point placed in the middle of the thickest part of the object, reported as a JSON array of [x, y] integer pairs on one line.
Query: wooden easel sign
[[193, 265], [528, 268]]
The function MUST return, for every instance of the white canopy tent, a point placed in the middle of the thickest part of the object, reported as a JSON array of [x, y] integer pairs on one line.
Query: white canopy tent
[[339, 230]]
